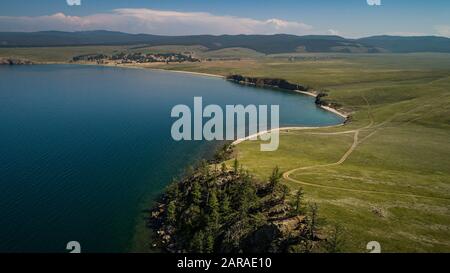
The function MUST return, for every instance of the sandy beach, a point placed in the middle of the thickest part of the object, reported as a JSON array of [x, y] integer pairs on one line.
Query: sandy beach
[[254, 136]]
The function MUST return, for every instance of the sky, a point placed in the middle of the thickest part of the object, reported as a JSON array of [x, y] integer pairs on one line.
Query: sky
[[347, 18]]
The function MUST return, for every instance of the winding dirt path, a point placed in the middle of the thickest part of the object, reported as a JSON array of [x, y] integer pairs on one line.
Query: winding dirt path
[[352, 148]]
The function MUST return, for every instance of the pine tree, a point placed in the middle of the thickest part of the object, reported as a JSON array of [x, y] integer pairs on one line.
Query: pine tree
[[298, 200], [196, 193], [285, 192], [274, 178], [224, 167], [247, 196], [204, 168], [197, 242], [173, 191], [225, 208], [209, 242], [236, 166], [314, 224], [335, 242], [171, 212], [213, 207]]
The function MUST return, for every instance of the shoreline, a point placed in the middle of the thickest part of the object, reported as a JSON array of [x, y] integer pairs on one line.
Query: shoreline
[[134, 66], [138, 231], [307, 93], [280, 129], [237, 141], [327, 108], [183, 72]]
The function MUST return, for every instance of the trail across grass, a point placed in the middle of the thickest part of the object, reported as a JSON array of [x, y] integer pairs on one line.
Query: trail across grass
[[385, 175], [356, 142]]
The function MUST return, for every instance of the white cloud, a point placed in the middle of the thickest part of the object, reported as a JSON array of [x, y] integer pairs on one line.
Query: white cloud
[[406, 33], [155, 22], [334, 32], [443, 30]]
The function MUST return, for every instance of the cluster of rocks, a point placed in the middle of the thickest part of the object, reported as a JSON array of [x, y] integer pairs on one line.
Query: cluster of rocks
[[321, 101]]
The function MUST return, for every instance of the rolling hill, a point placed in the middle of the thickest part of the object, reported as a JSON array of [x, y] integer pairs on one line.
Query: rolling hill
[[268, 44]]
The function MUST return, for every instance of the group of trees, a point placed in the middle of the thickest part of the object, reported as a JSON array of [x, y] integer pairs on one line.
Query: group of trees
[[278, 83], [224, 209]]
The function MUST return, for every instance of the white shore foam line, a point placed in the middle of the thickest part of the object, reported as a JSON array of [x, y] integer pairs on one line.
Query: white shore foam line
[[306, 93], [168, 70], [187, 72], [255, 136], [326, 108], [334, 111], [141, 67], [321, 106]]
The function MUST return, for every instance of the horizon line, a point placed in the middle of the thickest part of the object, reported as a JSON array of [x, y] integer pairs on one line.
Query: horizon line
[[218, 35]]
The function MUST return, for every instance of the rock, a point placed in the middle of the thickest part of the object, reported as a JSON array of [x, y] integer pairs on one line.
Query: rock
[[262, 239], [288, 225], [321, 236], [378, 212], [279, 210], [319, 99]]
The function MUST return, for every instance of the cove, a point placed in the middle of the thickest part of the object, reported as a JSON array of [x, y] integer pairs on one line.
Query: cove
[[83, 147]]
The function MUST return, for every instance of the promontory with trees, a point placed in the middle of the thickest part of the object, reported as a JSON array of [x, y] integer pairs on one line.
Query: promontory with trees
[[267, 82], [215, 208]]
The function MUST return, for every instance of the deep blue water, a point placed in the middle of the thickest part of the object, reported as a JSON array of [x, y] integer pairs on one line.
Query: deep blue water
[[81, 147]]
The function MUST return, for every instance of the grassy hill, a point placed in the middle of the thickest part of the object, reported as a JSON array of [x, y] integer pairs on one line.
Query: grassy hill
[[267, 44], [65, 54], [394, 187], [398, 44], [58, 54]]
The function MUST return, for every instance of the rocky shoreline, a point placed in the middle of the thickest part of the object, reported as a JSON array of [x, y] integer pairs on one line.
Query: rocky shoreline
[[225, 210], [267, 82], [285, 85]]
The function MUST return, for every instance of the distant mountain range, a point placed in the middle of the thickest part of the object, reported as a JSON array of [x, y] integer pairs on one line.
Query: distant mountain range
[[268, 44]]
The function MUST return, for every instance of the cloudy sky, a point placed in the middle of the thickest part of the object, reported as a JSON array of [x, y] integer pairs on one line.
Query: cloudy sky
[[349, 18]]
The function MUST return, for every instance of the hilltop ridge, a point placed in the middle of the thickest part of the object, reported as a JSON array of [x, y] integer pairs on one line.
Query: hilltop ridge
[[267, 44]]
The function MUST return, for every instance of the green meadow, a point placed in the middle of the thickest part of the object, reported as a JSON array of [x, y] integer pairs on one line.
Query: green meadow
[[385, 175], [391, 183], [58, 54], [65, 54]]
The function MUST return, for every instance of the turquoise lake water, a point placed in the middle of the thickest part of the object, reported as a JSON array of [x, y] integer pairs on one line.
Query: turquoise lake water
[[82, 147]]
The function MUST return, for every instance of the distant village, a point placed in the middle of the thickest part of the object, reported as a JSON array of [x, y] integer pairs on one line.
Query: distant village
[[128, 58]]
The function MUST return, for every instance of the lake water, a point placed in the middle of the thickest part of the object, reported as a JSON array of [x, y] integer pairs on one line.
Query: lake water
[[82, 148]]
